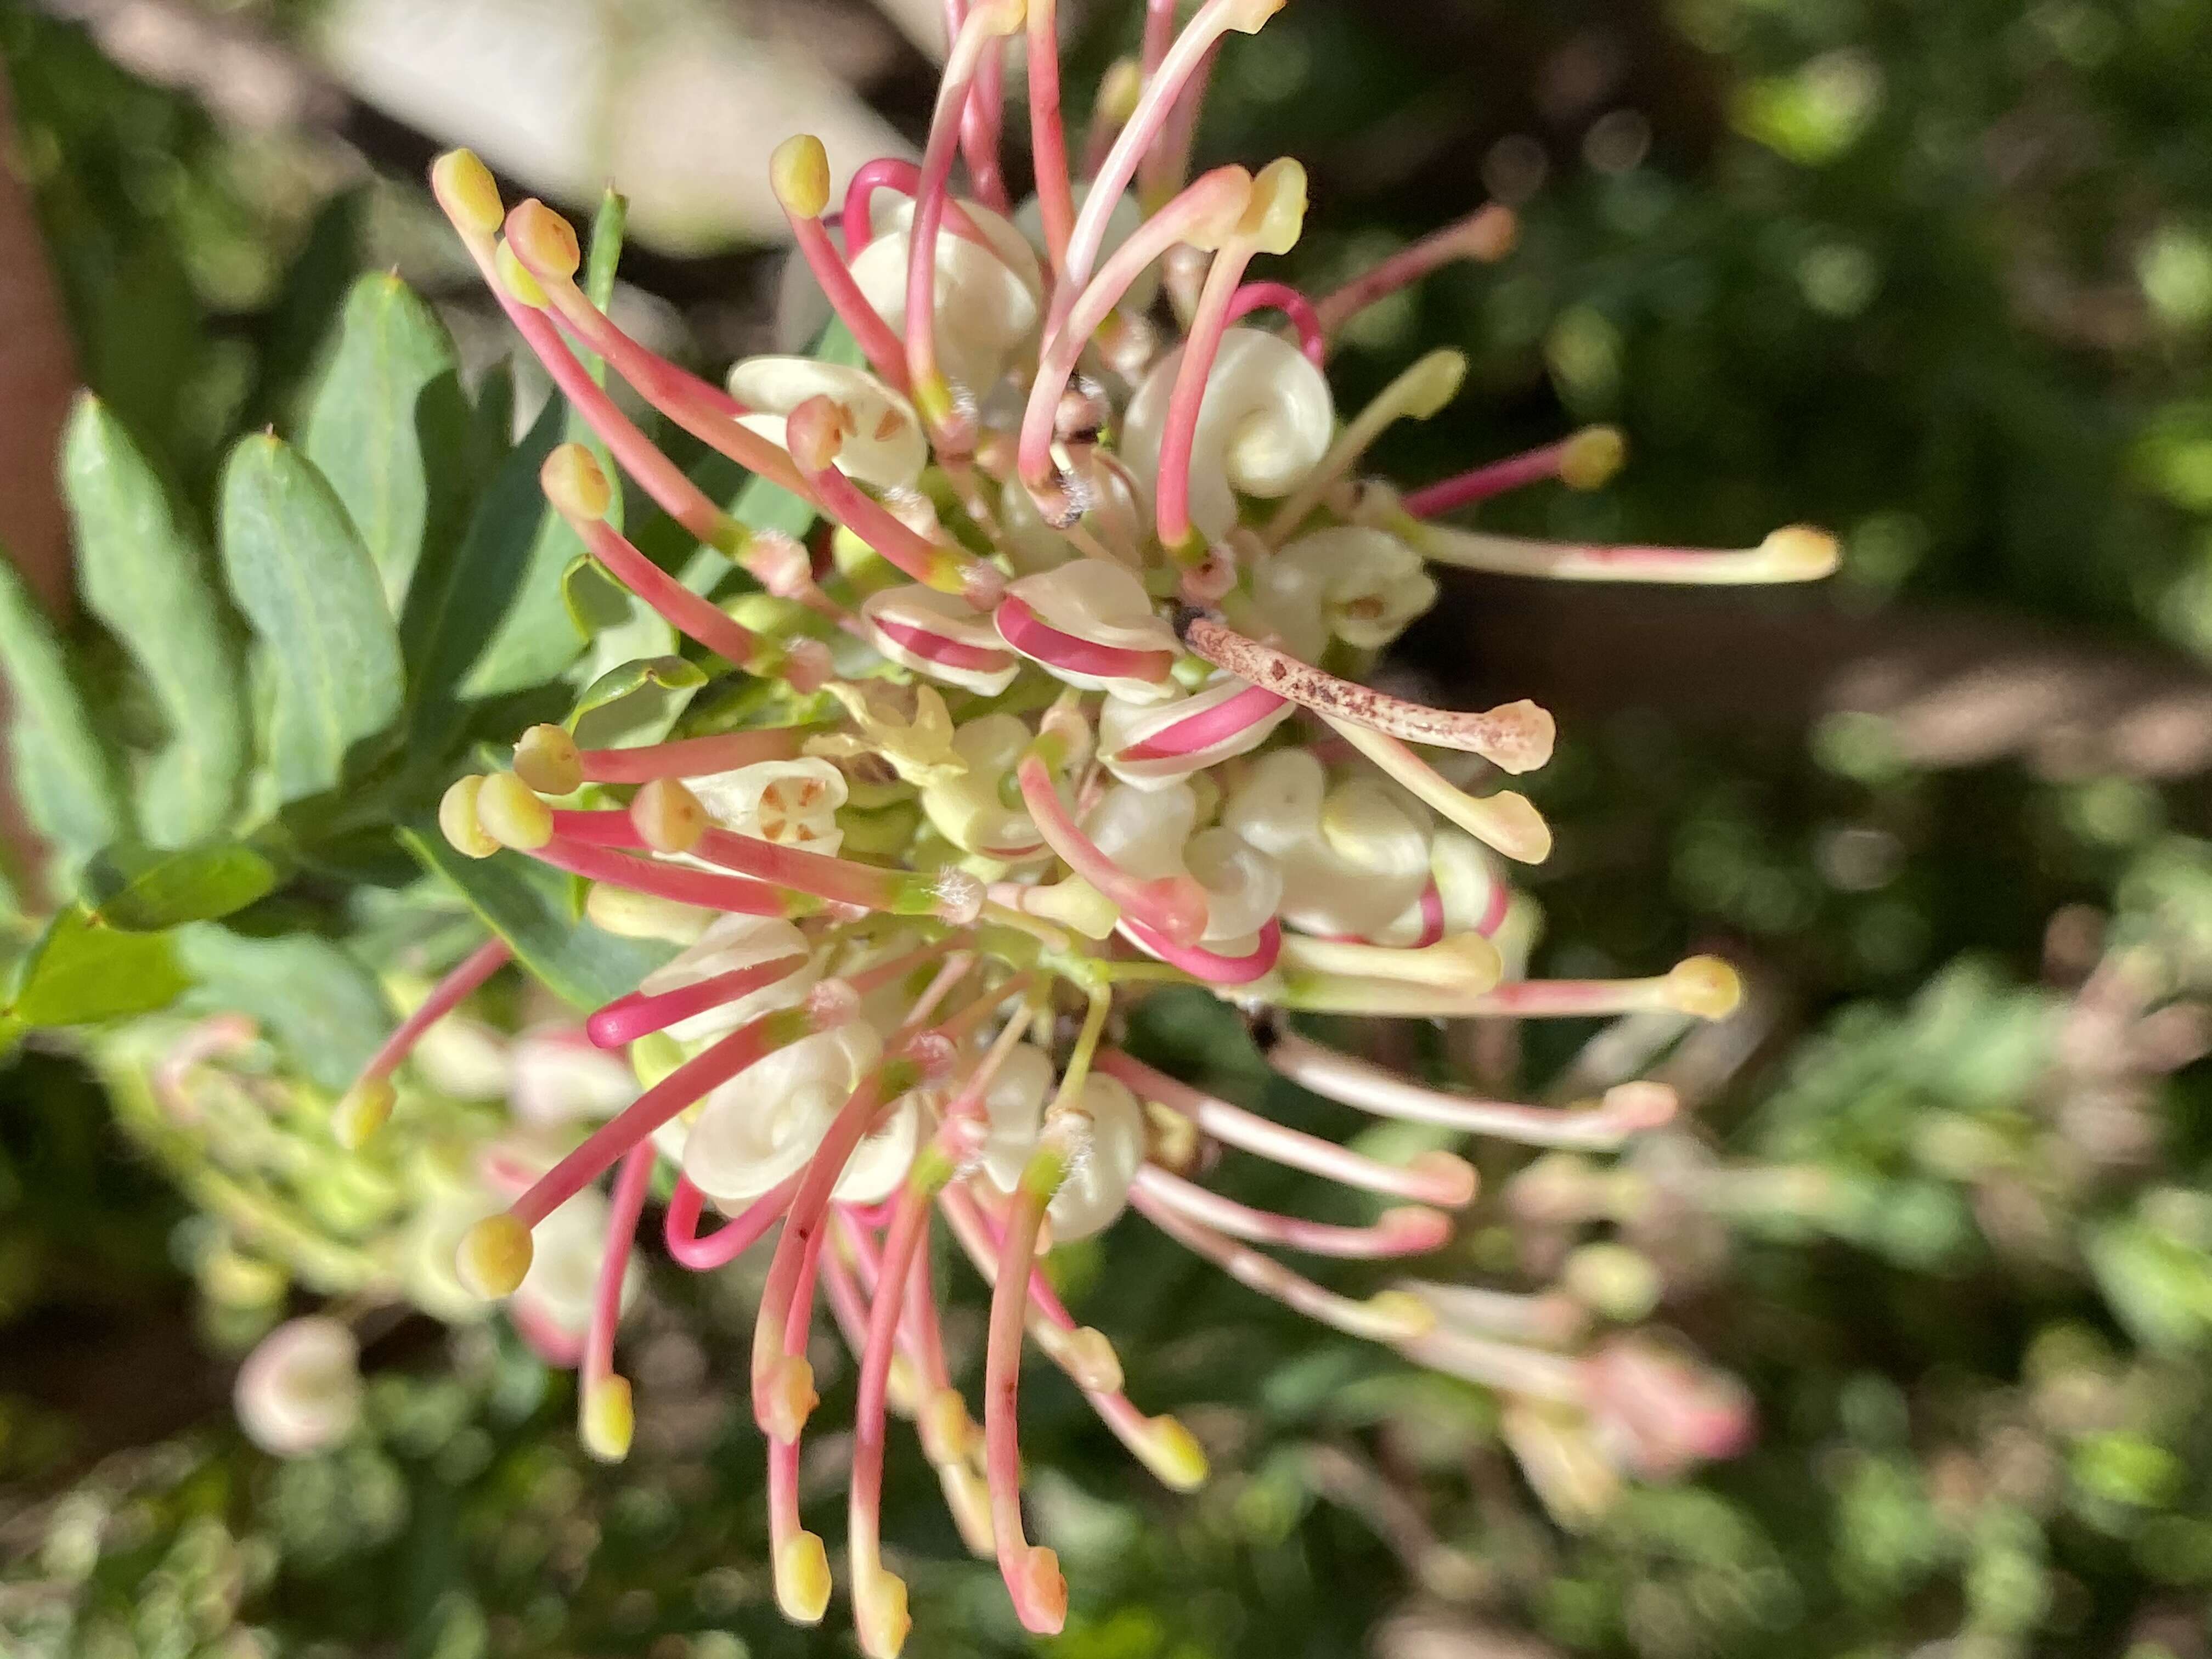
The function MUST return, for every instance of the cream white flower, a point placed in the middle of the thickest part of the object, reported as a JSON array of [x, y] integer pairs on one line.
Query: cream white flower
[[764, 1123], [941, 636], [1149, 833], [299, 1391], [1121, 224], [969, 810], [1011, 1108], [1353, 859], [1263, 425], [987, 298], [907, 726], [559, 1076], [883, 444], [1359, 586], [792, 803]]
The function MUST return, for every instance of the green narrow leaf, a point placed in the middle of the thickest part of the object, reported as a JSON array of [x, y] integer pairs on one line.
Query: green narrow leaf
[[143, 577], [71, 787], [492, 622], [318, 1004], [526, 904], [144, 889], [305, 582], [81, 970], [626, 633], [389, 428]]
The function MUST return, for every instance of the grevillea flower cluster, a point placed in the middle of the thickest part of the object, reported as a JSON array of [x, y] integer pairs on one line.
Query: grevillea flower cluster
[[1066, 707]]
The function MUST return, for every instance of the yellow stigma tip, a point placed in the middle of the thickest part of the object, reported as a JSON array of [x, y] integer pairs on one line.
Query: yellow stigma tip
[[944, 1427], [512, 814], [1175, 1457], [546, 759], [1514, 826], [1705, 987], [1222, 215], [572, 481], [1800, 553], [799, 172], [1122, 84], [1400, 1316], [1277, 211], [1454, 1176], [1093, 1361], [493, 1257], [1005, 16], [1591, 457], [802, 1579], [465, 188], [457, 821], [1470, 961], [514, 276], [606, 1419], [1044, 1590], [1489, 235], [790, 1398], [668, 816], [542, 240], [361, 1111], [1432, 382], [1248, 17], [879, 1614]]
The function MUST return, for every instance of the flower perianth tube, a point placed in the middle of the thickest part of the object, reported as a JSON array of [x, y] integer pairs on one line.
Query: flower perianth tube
[[1164, 84], [1031, 1570], [893, 173], [932, 397], [1271, 223], [1294, 306], [1626, 1110], [813, 431], [1418, 391], [1467, 963], [800, 173], [1202, 214], [1406, 1231], [1583, 461], [364, 1106], [680, 1228], [546, 244], [1047, 132], [1435, 1178], [579, 492], [1172, 906], [464, 190], [1486, 234], [604, 1409], [1515, 737], [703, 887], [1793, 554]]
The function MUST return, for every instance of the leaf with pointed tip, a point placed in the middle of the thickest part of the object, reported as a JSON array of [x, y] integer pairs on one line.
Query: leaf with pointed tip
[[310, 590], [71, 788], [317, 1003], [144, 577], [144, 889], [389, 429], [631, 707], [526, 904], [81, 970]]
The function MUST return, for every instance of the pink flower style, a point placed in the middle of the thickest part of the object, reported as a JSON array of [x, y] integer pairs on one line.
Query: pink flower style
[[1112, 527]]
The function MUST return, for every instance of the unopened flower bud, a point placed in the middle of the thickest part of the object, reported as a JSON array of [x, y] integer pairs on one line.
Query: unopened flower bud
[[298, 1392]]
